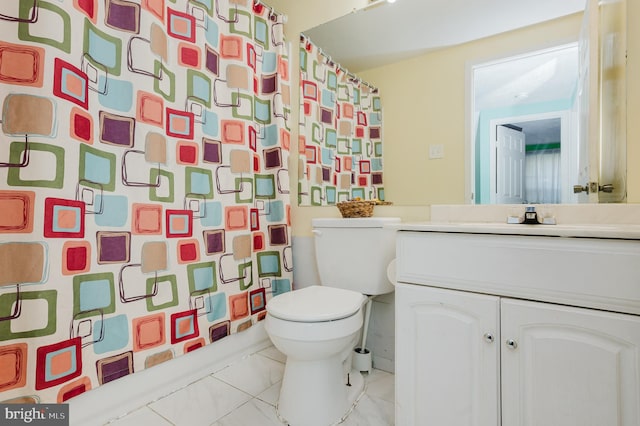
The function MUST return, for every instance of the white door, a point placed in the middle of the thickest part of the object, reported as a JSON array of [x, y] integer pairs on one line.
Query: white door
[[564, 366], [588, 102], [601, 98], [509, 153], [613, 97], [447, 356]]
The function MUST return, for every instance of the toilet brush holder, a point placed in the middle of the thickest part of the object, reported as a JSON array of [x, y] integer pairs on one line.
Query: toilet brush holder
[[362, 359]]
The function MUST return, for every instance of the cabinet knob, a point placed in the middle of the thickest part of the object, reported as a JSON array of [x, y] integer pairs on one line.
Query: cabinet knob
[[488, 337], [511, 344]]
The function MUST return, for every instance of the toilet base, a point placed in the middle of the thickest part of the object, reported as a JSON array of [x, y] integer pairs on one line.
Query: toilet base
[[318, 393]]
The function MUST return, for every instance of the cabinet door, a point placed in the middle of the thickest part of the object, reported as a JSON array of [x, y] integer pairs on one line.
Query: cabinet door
[[447, 347], [565, 366]]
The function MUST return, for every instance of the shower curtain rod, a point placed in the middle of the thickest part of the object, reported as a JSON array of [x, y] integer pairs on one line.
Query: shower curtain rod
[[354, 78]]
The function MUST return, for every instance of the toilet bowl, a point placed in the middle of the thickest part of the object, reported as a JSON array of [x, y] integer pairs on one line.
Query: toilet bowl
[[316, 328]]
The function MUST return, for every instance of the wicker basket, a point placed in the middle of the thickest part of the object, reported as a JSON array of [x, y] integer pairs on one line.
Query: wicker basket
[[356, 208]]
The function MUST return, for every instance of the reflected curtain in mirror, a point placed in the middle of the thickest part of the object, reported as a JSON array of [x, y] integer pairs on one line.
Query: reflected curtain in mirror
[[340, 147], [542, 176]]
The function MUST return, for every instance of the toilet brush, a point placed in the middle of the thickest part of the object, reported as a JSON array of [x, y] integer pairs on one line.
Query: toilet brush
[[362, 355]]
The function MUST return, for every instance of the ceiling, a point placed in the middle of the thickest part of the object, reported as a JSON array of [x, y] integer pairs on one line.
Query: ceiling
[[382, 33], [538, 77]]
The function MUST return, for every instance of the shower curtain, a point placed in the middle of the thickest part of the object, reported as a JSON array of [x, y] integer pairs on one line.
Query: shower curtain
[[542, 177], [144, 191], [341, 138]]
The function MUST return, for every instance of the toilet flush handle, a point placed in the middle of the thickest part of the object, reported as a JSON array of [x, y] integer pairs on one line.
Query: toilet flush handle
[[317, 233]]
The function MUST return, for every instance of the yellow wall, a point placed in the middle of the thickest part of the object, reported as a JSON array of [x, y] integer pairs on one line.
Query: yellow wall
[[433, 111]]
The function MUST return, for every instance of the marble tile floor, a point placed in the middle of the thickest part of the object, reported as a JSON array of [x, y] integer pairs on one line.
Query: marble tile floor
[[245, 394]]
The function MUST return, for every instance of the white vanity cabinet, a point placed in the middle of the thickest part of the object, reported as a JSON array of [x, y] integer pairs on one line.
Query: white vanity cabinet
[[517, 330], [447, 357], [568, 366]]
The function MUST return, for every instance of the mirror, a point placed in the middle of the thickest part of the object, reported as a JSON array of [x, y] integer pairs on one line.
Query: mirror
[[379, 43]]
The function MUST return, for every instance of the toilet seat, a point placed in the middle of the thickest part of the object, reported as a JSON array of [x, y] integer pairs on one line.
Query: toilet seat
[[315, 304]]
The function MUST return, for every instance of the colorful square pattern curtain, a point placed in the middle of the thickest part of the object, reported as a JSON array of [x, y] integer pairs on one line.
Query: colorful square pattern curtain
[[144, 193], [340, 146]]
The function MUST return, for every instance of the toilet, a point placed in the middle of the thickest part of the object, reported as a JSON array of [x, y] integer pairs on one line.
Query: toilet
[[317, 327]]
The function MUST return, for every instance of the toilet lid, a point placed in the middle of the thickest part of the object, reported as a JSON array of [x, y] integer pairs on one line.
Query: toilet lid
[[315, 304]]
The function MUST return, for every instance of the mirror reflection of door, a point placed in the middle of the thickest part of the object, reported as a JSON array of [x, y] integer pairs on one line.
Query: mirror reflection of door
[[510, 165], [530, 162], [607, 49], [534, 93]]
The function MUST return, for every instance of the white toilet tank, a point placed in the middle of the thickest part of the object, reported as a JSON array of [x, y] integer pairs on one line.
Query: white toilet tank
[[353, 253]]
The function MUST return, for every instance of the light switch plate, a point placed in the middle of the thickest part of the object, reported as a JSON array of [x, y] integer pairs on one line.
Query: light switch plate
[[436, 151]]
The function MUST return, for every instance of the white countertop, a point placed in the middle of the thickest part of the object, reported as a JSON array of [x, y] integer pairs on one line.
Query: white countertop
[[616, 231]]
